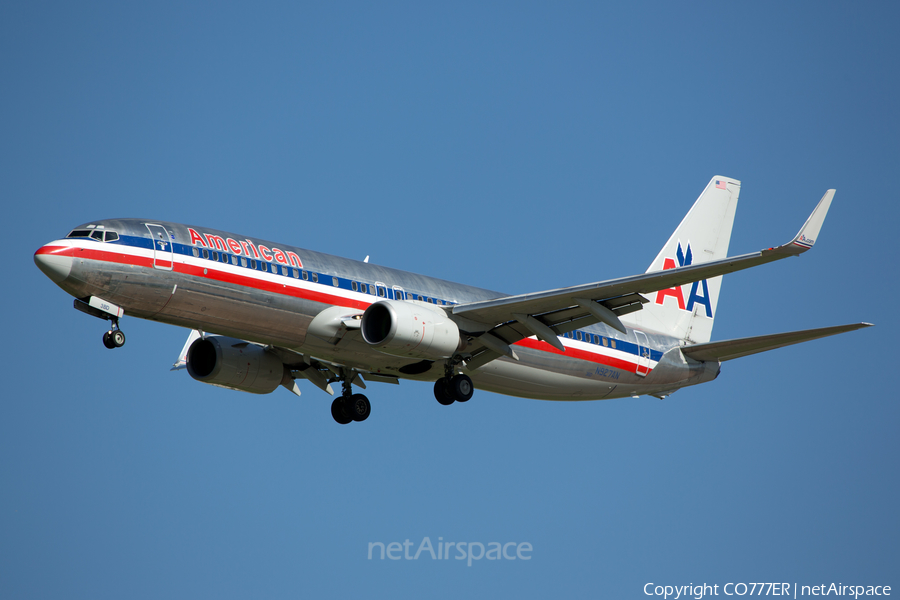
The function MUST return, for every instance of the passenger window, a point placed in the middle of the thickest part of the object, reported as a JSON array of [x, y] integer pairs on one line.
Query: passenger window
[[234, 260], [224, 258], [196, 252], [111, 236], [305, 276], [354, 286], [243, 262], [294, 273], [252, 264], [205, 254], [315, 277], [335, 282], [613, 343], [215, 256], [381, 292]]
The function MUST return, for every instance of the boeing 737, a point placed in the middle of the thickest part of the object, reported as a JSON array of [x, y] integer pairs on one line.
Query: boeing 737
[[264, 314]]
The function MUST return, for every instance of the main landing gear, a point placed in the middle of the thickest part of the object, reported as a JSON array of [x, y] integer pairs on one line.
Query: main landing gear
[[114, 338], [457, 388], [350, 407]]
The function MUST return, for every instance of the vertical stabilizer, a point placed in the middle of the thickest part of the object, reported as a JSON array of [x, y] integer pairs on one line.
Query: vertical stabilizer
[[687, 312]]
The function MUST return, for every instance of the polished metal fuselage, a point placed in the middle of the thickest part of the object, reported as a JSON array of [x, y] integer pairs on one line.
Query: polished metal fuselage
[[170, 281]]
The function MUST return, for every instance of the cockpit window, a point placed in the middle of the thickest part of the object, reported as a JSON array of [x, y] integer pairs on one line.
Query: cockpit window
[[97, 234]]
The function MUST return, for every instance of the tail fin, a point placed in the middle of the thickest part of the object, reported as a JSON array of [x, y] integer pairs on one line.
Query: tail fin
[[687, 312]]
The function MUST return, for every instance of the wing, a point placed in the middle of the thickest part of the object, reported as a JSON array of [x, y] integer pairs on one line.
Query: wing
[[498, 323]]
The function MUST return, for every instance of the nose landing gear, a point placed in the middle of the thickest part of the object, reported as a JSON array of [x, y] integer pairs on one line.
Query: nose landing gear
[[103, 309], [114, 338]]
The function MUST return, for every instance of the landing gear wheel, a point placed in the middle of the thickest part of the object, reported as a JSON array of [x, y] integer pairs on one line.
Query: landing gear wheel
[[113, 338], [358, 407], [442, 392], [338, 413], [461, 388]]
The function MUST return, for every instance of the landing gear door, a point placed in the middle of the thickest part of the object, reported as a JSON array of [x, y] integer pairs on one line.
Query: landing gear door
[[643, 362], [162, 247]]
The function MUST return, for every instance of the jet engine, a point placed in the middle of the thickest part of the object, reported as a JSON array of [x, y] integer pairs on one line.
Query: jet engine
[[411, 330], [234, 364]]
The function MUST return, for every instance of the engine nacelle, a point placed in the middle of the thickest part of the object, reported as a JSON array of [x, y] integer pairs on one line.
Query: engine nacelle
[[410, 330], [234, 364]]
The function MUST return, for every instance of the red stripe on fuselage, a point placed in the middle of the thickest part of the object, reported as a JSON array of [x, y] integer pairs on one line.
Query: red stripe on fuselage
[[101, 255], [594, 357]]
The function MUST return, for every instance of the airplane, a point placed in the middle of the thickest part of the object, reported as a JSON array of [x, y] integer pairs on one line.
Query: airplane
[[265, 314]]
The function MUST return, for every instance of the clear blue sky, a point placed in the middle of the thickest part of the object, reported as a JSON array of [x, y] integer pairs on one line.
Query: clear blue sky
[[515, 146]]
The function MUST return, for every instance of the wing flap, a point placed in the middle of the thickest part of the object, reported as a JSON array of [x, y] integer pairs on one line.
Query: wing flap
[[736, 348]]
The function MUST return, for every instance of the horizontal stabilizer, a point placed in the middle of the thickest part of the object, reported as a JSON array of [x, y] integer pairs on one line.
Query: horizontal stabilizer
[[728, 349]]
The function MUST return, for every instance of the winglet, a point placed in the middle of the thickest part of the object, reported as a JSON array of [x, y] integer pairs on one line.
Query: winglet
[[807, 235]]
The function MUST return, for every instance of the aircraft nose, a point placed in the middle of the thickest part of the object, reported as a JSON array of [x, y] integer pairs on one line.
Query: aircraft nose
[[55, 265]]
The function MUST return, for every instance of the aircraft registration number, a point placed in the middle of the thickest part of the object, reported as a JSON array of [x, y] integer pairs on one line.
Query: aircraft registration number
[[604, 372]]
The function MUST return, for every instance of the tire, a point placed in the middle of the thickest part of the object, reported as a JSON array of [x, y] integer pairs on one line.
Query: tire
[[117, 338], [107, 341], [442, 392], [338, 413], [461, 388], [358, 407]]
